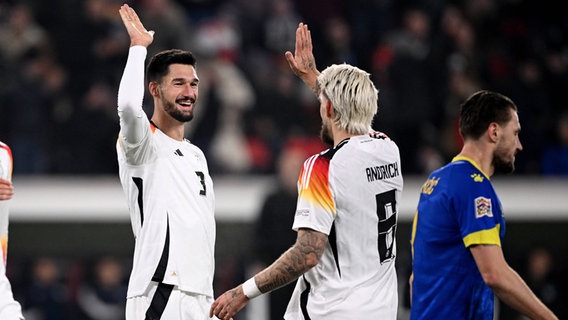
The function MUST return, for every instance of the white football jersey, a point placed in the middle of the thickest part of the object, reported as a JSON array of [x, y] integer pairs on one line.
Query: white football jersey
[[6, 174], [350, 193], [9, 308], [170, 196]]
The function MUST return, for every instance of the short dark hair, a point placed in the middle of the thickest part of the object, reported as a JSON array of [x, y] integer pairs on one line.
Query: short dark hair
[[159, 65], [481, 109]]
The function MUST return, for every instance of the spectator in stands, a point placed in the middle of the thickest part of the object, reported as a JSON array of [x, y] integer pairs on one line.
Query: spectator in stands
[[555, 157], [104, 297], [46, 297]]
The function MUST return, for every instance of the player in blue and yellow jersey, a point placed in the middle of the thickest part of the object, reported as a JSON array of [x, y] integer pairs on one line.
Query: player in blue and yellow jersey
[[458, 262]]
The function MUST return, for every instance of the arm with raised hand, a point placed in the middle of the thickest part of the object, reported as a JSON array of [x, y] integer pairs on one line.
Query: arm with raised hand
[[133, 121], [302, 62]]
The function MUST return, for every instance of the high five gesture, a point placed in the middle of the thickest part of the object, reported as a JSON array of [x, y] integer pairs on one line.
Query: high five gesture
[[139, 36]]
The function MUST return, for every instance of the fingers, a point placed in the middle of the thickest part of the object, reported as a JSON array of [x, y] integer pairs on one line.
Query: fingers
[[221, 310], [6, 190], [303, 38], [212, 310], [291, 61], [303, 42], [136, 30], [216, 309], [125, 13], [129, 17], [132, 16], [300, 46]]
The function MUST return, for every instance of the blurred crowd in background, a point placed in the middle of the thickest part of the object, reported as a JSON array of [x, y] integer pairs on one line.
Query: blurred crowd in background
[[56, 288], [61, 60], [52, 288]]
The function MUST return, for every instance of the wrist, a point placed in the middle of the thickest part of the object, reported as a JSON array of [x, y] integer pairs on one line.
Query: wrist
[[250, 289]]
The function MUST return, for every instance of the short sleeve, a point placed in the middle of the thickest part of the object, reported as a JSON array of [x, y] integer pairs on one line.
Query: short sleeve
[[315, 208], [478, 211]]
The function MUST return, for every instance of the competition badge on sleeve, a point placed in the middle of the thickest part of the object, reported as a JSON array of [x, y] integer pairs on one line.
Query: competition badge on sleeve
[[483, 207]]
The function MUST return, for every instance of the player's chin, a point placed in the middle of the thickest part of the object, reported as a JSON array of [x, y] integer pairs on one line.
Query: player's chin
[[182, 116], [187, 111], [188, 117]]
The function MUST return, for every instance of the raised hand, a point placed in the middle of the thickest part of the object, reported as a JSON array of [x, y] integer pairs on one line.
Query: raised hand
[[139, 36], [302, 62]]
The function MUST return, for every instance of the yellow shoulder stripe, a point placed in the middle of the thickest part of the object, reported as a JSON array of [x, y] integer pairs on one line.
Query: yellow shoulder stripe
[[490, 236]]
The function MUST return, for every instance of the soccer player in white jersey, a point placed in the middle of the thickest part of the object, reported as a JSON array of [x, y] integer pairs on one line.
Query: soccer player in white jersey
[[10, 309], [346, 215], [167, 183]]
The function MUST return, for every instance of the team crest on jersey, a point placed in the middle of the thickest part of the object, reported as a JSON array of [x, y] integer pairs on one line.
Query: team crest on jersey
[[483, 207], [477, 177]]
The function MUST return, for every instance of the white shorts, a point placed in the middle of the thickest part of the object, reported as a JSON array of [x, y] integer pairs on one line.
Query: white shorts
[[179, 305]]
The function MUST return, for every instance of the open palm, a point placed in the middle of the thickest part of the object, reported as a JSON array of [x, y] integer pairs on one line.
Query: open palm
[[139, 36]]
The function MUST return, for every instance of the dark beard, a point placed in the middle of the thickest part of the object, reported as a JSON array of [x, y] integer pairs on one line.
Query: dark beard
[[501, 166], [175, 113], [325, 136]]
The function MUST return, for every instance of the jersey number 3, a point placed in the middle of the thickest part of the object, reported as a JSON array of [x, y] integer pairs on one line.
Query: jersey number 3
[[386, 211], [201, 176]]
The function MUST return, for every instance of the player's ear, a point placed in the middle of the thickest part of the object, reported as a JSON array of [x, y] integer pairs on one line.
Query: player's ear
[[493, 131], [329, 109], [153, 89]]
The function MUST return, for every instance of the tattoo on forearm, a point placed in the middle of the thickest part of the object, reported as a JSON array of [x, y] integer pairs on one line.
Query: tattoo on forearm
[[294, 262]]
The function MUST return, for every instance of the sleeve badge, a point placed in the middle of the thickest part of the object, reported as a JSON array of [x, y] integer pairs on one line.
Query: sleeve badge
[[483, 207]]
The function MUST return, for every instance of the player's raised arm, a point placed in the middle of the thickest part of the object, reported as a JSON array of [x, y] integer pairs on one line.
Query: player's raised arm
[[139, 36], [302, 62], [133, 123]]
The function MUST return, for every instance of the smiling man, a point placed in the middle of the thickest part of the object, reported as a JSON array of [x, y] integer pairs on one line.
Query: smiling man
[[167, 183]]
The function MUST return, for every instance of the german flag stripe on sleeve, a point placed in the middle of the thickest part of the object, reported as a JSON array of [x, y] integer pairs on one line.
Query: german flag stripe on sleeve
[[314, 183]]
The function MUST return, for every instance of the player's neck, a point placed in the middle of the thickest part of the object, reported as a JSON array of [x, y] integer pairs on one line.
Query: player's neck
[[480, 154], [170, 127], [340, 135]]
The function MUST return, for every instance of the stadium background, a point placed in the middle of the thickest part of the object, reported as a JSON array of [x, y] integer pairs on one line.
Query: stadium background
[[60, 62]]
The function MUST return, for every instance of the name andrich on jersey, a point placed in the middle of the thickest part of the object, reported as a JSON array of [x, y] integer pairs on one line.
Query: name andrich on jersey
[[386, 171]]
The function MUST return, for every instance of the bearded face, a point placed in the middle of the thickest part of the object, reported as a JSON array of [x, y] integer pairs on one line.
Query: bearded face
[[175, 112], [503, 165], [507, 146], [178, 92]]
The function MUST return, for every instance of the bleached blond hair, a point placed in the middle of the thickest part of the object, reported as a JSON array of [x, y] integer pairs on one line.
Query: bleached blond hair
[[353, 96]]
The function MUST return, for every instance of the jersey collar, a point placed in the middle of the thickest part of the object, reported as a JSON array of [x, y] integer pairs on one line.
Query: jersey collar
[[473, 163]]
